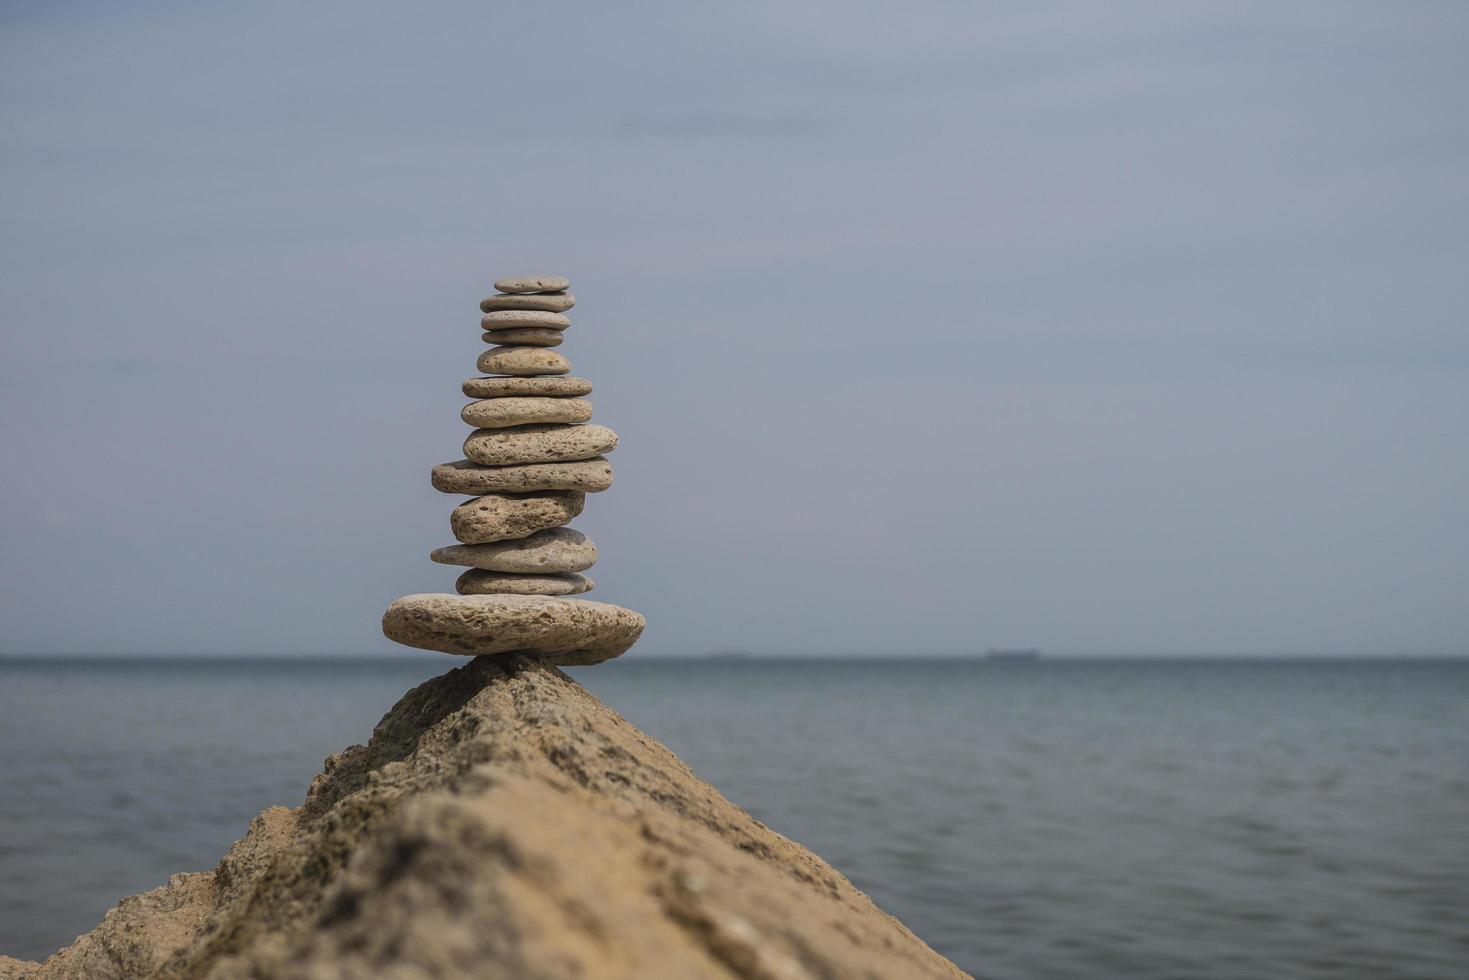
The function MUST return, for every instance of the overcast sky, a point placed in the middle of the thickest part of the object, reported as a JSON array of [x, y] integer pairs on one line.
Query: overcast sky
[[927, 327]]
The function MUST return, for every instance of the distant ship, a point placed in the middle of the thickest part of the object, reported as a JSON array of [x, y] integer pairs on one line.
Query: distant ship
[[1012, 656]]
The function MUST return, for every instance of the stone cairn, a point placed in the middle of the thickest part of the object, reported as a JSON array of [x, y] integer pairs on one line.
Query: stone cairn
[[530, 462]]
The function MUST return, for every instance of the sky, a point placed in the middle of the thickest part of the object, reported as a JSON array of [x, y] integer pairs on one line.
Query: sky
[[1133, 328]]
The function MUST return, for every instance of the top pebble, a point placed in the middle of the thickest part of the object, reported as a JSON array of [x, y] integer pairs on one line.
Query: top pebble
[[533, 284]]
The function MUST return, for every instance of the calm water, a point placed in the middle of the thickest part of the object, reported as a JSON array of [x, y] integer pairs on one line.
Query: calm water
[[1054, 820]]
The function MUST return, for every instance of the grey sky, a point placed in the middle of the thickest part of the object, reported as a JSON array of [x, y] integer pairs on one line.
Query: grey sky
[[1128, 328]]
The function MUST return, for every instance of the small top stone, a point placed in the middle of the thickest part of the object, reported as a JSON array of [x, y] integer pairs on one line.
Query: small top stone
[[533, 284]]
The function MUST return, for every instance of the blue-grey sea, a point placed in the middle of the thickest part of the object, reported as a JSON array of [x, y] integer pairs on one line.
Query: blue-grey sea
[[1054, 819]]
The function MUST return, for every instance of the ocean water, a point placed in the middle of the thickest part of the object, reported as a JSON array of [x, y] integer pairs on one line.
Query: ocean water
[[1049, 820]]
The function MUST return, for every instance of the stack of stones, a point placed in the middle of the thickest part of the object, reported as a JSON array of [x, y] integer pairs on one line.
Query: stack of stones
[[529, 464]]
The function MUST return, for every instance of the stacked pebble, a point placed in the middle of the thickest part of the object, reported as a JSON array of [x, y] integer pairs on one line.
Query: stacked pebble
[[530, 462]]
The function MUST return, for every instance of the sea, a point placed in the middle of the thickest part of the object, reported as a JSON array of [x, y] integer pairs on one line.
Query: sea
[[1046, 819]]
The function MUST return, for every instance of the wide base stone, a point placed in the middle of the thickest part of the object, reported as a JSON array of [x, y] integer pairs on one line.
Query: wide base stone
[[566, 632]]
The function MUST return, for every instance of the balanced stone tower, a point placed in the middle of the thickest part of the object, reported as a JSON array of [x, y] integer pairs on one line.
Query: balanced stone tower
[[530, 462]]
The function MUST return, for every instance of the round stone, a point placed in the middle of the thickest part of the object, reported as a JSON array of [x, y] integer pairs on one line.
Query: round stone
[[533, 284], [506, 319], [556, 549], [544, 387], [568, 632], [461, 476], [496, 413], [500, 517], [538, 444], [479, 582], [524, 337], [550, 302], [523, 361]]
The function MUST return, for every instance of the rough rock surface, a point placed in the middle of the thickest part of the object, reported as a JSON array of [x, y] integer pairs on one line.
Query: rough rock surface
[[551, 302], [560, 631], [538, 444], [477, 581], [523, 361], [550, 387], [523, 337], [503, 823], [462, 476], [499, 517], [556, 549], [495, 413]]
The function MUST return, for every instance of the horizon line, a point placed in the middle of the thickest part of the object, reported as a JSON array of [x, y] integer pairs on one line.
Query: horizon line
[[720, 657]]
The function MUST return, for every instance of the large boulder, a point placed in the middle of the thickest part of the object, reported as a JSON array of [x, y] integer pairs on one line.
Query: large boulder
[[503, 823]]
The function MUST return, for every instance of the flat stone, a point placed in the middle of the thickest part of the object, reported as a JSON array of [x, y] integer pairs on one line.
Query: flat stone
[[505, 319], [544, 387], [550, 302], [477, 581], [497, 413], [461, 476], [522, 361], [556, 549], [538, 444], [523, 337], [501, 517], [533, 284], [567, 632]]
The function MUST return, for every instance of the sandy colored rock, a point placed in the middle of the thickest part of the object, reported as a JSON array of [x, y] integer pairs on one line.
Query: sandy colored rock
[[504, 824], [461, 476], [547, 387], [556, 549], [508, 319], [14, 969], [523, 337], [500, 516], [533, 284], [538, 444], [550, 302], [477, 581], [498, 413], [522, 361], [561, 631]]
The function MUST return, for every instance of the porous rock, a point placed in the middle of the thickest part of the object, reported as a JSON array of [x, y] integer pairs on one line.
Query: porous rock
[[522, 361], [538, 444], [548, 387], [556, 549], [568, 632], [461, 476], [477, 581], [504, 823], [502, 516], [496, 413]]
